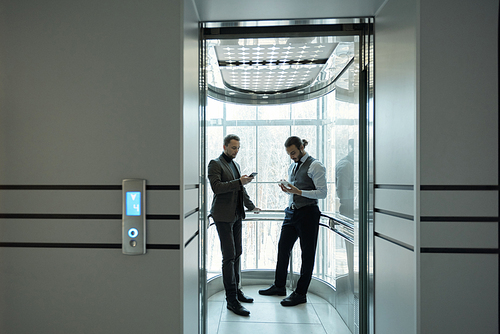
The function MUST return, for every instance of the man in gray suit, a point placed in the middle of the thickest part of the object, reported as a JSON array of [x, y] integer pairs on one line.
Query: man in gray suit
[[227, 211]]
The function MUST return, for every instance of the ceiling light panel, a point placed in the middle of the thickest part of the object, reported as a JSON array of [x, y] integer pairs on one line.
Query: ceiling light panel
[[276, 70], [272, 65]]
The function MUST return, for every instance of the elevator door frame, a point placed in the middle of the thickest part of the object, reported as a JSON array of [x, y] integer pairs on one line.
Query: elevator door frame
[[364, 29]]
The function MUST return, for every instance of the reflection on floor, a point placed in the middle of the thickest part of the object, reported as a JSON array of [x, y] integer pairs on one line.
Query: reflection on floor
[[267, 316]]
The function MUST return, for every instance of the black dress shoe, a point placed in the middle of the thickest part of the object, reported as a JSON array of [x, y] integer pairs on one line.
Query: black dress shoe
[[273, 290], [236, 307], [243, 298], [294, 299]]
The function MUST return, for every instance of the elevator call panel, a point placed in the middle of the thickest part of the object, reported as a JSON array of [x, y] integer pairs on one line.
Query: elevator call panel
[[134, 216]]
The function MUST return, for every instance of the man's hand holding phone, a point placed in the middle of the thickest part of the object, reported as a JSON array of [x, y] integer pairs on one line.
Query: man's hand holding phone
[[289, 188], [245, 179]]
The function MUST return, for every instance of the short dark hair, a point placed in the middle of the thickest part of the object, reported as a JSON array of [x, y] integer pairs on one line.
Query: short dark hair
[[294, 140], [230, 137]]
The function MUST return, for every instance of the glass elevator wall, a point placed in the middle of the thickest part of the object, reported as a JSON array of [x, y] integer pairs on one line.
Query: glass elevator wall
[[330, 122]]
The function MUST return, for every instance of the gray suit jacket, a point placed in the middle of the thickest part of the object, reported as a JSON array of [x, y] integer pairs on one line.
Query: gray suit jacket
[[226, 188]]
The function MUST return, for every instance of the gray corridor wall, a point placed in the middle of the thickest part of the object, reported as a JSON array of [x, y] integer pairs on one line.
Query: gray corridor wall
[[89, 95], [459, 171], [436, 162]]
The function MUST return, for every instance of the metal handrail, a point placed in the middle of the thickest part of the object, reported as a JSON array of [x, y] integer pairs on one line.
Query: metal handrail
[[338, 221], [331, 227]]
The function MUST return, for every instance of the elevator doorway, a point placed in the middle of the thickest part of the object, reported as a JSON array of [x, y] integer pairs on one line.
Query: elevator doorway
[[265, 81]]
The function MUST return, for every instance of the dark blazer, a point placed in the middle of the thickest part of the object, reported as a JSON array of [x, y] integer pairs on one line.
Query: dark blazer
[[226, 188]]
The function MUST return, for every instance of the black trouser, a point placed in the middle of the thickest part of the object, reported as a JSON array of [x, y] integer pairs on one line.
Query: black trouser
[[230, 244], [300, 223]]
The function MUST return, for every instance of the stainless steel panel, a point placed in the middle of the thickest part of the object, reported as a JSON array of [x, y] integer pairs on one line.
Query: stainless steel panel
[[459, 203], [83, 231], [81, 291], [396, 228], [190, 227], [395, 94], [191, 199], [458, 93], [83, 201], [91, 110], [459, 293], [395, 298], [459, 234], [190, 288], [395, 200]]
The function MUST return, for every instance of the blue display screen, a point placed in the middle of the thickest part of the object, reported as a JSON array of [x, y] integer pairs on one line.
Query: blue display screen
[[133, 203]]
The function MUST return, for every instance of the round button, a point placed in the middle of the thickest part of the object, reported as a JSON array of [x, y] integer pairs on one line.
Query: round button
[[133, 243], [133, 233]]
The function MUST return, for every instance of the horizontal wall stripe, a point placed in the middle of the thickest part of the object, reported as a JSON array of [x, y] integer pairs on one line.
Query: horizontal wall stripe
[[438, 187], [83, 187], [191, 239], [394, 214], [164, 187], [459, 187], [394, 241], [192, 212], [60, 187], [394, 186], [58, 245], [191, 186], [177, 217], [458, 219], [79, 245], [162, 246], [459, 250], [163, 217], [59, 216], [79, 216]]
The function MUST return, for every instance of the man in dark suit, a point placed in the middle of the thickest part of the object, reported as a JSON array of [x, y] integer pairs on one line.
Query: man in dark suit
[[227, 211]]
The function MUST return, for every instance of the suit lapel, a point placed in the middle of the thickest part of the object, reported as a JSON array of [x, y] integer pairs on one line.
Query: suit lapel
[[226, 166], [237, 168]]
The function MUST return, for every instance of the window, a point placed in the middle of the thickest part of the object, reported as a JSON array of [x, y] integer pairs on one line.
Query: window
[[330, 124]]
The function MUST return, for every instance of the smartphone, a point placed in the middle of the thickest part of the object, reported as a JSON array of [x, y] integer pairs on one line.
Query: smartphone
[[253, 174], [286, 184]]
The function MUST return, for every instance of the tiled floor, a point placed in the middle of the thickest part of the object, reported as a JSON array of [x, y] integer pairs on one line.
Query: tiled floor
[[268, 316]]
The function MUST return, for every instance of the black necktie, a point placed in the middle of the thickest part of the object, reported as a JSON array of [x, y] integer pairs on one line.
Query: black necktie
[[296, 168]]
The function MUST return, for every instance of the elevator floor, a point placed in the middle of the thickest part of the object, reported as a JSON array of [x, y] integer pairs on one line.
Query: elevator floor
[[267, 315]]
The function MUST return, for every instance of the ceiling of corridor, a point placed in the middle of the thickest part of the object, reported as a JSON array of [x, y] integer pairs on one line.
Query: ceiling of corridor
[[221, 10]]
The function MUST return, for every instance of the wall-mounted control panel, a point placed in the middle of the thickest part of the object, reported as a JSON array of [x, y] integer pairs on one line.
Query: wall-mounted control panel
[[134, 216]]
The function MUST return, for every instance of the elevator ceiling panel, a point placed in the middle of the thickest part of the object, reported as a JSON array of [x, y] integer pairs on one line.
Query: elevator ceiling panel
[[276, 70]]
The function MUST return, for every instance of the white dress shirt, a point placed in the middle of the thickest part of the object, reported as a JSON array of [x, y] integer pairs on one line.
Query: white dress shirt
[[317, 172]]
